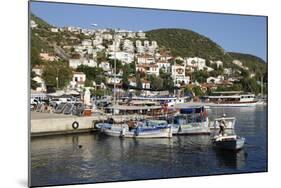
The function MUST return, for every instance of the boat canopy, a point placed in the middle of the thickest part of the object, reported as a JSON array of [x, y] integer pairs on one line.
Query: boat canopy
[[191, 110]]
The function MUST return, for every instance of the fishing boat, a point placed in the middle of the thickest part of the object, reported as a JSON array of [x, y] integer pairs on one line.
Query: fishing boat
[[231, 99], [141, 129], [229, 142], [191, 120]]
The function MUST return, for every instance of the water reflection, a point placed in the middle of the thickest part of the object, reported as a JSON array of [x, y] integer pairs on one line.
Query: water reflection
[[231, 159]]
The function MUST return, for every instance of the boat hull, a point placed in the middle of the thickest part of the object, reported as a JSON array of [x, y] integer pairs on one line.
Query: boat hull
[[231, 144], [157, 133], [192, 129], [217, 105]]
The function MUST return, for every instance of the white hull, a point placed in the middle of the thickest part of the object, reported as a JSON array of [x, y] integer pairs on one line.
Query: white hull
[[193, 128], [215, 105], [159, 133]]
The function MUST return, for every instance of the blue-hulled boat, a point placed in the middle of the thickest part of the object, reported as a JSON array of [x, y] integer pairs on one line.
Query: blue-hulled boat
[[141, 129], [191, 120]]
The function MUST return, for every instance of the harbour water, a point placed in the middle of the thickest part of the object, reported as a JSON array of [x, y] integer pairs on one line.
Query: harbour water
[[92, 158]]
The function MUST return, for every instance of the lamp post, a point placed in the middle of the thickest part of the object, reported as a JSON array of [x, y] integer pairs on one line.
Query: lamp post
[[57, 78]]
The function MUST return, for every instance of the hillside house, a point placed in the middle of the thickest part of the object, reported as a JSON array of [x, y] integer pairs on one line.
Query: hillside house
[[149, 69], [178, 74]]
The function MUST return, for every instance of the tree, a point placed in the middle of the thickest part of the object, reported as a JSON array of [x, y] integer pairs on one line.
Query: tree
[[101, 56], [92, 73], [156, 83], [200, 76], [168, 83], [119, 65], [35, 58], [54, 70], [33, 83], [197, 91], [138, 80]]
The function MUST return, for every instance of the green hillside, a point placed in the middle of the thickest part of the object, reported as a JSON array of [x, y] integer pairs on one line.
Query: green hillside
[[41, 23], [254, 63], [186, 43]]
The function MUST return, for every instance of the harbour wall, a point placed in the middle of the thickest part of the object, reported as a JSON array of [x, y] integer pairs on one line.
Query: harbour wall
[[43, 124]]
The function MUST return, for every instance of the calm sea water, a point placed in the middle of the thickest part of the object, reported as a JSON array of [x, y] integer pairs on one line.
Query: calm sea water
[[59, 160]]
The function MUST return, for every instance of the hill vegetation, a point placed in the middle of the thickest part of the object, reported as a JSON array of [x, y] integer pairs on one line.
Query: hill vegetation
[[186, 43]]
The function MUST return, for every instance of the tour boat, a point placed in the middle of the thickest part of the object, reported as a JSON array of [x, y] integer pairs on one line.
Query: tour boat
[[231, 99], [169, 100]]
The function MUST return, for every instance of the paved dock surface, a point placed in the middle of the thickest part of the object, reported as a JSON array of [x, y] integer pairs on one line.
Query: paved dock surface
[[44, 115]]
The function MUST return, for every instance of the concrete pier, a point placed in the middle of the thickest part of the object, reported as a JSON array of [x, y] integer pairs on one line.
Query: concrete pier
[[52, 124]]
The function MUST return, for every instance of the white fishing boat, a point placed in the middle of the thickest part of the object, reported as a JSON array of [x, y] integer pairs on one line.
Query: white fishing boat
[[142, 129], [191, 120], [231, 99], [231, 142]]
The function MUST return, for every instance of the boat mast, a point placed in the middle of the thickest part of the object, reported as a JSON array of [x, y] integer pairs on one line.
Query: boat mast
[[114, 90], [262, 86]]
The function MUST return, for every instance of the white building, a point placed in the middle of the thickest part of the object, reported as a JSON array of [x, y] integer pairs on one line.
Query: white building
[[149, 69], [131, 35], [124, 57], [73, 29], [48, 57], [240, 64], [138, 43], [215, 80], [146, 43], [227, 71], [218, 63], [141, 34], [54, 30], [197, 62], [33, 24], [145, 59], [87, 42], [112, 80], [107, 36], [38, 70], [178, 74], [154, 44], [74, 63], [98, 40], [78, 80], [145, 84], [105, 66], [41, 83]]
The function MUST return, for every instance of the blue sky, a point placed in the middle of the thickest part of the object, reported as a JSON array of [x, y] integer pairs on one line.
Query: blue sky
[[245, 34]]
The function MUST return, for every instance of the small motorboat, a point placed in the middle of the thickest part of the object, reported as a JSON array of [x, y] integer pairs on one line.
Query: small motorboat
[[229, 142]]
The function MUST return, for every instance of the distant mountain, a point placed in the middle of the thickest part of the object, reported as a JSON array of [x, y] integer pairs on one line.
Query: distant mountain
[[186, 43]]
